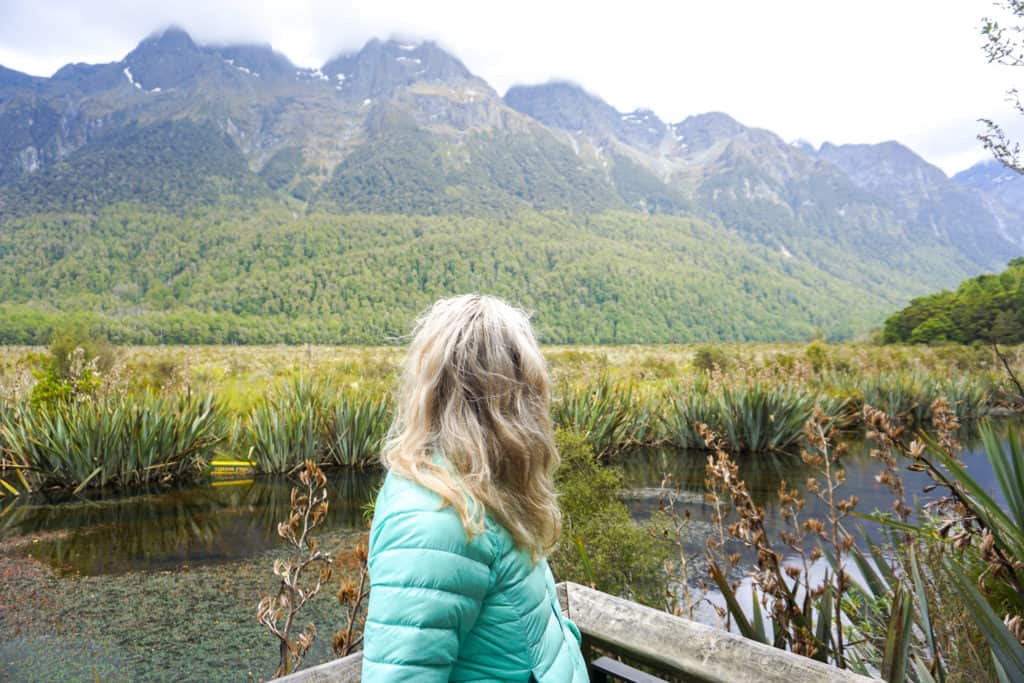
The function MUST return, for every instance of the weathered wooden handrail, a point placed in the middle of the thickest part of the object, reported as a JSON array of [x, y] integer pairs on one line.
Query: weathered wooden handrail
[[686, 649], [343, 670], [669, 645]]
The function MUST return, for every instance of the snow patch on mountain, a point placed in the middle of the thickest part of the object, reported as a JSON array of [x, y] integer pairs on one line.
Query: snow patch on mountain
[[128, 74]]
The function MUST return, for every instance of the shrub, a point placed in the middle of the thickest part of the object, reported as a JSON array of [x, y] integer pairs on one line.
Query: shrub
[[817, 355], [73, 368], [657, 366], [600, 545], [355, 430], [116, 441], [286, 428], [707, 358]]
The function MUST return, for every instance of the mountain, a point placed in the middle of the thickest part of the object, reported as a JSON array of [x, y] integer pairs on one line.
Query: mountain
[[196, 192], [868, 198], [926, 203], [1002, 191]]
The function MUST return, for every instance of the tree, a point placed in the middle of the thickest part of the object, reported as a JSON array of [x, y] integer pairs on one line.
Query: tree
[[1007, 328], [1005, 45]]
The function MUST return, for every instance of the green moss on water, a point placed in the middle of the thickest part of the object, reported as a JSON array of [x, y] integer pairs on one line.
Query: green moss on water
[[190, 624], [158, 586]]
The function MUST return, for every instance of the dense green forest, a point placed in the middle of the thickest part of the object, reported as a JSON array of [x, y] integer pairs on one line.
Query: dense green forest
[[986, 308], [163, 232], [273, 275]]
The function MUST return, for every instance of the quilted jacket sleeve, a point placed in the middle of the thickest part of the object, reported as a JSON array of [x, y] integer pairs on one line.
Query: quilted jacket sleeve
[[427, 584]]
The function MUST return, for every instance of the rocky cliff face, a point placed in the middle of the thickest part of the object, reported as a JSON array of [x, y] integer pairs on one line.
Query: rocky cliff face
[[924, 201], [1002, 191], [781, 194], [409, 119]]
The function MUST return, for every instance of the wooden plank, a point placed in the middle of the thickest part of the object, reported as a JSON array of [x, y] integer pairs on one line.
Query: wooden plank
[[623, 672], [687, 648], [563, 597], [344, 670]]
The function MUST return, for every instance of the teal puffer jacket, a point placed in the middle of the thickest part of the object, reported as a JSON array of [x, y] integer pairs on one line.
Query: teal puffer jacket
[[444, 608]]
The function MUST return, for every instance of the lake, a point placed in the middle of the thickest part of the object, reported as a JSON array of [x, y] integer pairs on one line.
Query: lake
[[164, 585]]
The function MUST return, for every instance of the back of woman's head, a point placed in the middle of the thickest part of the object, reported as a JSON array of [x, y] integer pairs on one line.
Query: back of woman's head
[[475, 392]]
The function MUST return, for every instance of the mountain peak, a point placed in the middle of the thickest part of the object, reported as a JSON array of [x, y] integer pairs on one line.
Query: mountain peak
[[995, 181], [163, 60], [858, 159], [565, 105], [715, 120], [702, 131], [171, 39], [556, 84], [259, 59], [380, 67], [992, 170], [804, 146], [14, 78]]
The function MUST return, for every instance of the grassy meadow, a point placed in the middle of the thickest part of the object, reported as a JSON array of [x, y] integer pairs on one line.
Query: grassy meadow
[[105, 416]]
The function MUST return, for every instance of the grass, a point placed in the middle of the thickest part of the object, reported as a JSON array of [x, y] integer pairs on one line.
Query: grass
[[117, 441], [355, 429], [305, 419], [280, 405]]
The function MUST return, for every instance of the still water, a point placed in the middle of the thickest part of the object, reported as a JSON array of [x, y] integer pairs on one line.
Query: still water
[[646, 470], [220, 522], [160, 586], [163, 585]]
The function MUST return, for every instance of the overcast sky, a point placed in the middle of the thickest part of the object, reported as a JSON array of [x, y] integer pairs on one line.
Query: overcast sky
[[867, 71]]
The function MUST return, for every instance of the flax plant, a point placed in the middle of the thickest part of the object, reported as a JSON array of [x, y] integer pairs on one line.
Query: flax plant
[[606, 414], [355, 429], [755, 418], [973, 524], [805, 617], [114, 441], [352, 595], [277, 614], [286, 428]]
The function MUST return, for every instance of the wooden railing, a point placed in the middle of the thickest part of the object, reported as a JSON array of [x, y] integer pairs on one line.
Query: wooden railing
[[624, 641]]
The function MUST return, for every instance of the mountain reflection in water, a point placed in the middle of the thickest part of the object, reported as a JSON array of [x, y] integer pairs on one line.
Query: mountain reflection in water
[[222, 521], [764, 473], [233, 520]]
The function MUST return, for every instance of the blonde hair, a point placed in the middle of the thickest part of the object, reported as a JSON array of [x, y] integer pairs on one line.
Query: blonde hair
[[475, 390]]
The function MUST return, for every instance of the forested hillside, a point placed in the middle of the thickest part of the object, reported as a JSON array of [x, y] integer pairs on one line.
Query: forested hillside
[[212, 276], [987, 308], [193, 193]]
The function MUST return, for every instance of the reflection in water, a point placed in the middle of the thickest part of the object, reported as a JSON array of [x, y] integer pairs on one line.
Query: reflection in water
[[764, 474], [213, 523], [234, 520]]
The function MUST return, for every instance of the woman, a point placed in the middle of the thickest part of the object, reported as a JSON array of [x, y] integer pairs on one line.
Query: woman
[[459, 587]]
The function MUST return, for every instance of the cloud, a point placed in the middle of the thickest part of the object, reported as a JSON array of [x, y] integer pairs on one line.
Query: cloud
[[845, 72]]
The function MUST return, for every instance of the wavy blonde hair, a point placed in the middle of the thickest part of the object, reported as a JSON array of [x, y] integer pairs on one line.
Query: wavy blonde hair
[[475, 390]]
